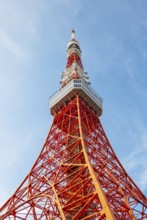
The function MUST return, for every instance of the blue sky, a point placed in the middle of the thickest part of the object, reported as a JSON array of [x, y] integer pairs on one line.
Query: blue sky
[[33, 40]]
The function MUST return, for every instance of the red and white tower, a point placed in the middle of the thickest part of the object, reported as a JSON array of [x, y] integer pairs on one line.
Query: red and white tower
[[77, 175]]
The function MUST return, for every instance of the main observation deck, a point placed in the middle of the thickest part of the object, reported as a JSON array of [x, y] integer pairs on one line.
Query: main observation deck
[[73, 88]]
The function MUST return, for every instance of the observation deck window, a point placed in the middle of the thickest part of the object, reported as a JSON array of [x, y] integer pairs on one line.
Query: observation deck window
[[77, 81]]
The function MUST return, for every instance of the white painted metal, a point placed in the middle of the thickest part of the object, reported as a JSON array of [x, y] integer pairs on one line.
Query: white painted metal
[[76, 86]]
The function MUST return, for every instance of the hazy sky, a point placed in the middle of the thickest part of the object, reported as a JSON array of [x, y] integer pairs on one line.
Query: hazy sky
[[33, 40]]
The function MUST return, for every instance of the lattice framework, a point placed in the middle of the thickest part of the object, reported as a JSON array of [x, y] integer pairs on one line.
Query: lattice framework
[[77, 175]]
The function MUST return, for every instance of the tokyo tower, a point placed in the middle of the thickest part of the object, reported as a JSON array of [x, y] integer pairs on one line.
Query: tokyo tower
[[77, 174]]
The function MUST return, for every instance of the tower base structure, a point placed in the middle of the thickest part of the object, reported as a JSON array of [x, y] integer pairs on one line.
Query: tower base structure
[[77, 175]]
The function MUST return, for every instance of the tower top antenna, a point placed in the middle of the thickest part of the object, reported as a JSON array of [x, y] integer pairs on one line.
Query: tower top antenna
[[73, 34]]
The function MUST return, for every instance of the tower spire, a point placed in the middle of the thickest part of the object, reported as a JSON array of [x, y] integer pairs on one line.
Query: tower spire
[[73, 34], [73, 52], [75, 80], [74, 67]]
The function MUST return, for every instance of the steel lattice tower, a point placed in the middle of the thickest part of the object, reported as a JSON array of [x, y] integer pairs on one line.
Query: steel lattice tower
[[77, 175]]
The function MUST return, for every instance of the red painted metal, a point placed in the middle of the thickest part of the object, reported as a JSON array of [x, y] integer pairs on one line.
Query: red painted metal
[[74, 58], [60, 179]]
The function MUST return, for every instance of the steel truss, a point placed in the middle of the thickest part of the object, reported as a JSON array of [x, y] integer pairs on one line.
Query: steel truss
[[76, 176]]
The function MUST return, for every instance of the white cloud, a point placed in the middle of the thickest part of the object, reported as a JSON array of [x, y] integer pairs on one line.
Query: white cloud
[[144, 139], [15, 161], [11, 46], [143, 178], [136, 162]]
